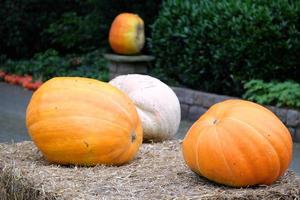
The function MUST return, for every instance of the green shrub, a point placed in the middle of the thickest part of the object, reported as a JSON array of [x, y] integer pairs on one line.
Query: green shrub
[[50, 64], [283, 94], [75, 33], [90, 65], [23, 22], [217, 45], [88, 28], [69, 26]]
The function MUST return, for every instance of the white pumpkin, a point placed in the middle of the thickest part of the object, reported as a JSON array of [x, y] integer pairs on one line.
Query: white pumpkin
[[156, 103]]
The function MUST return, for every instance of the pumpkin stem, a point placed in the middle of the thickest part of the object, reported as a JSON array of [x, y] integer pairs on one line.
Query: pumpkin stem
[[133, 137]]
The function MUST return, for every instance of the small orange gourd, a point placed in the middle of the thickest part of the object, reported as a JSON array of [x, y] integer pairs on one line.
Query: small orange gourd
[[83, 121], [238, 143]]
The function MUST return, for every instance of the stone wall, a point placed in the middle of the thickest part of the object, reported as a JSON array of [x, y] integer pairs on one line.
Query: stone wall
[[195, 103]]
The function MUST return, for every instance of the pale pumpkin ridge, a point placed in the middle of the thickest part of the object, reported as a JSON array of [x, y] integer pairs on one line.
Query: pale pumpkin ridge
[[224, 129], [197, 151], [262, 136], [197, 144], [120, 107], [281, 127], [126, 151], [118, 136], [229, 105], [283, 139], [116, 153], [266, 112], [73, 115], [103, 91], [222, 153], [120, 152], [90, 105], [58, 117]]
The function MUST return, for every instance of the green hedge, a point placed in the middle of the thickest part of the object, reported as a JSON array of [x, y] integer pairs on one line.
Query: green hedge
[[23, 22], [69, 26], [89, 30], [217, 45]]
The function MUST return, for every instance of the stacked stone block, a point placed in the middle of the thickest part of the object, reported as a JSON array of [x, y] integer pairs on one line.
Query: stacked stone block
[[195, 103]]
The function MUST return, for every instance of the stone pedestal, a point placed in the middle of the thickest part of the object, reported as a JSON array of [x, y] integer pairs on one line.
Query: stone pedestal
[[121, 64]]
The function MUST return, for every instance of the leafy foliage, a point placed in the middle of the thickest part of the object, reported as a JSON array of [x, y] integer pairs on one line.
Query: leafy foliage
[[217, 45], [90, 29], [49, 64], [283, 94], [69, 26], [22, 24], [73, 32]]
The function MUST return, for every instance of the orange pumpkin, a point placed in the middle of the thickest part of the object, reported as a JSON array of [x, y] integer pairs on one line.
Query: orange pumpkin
[[238, 143], [126, 35], [83, 121]]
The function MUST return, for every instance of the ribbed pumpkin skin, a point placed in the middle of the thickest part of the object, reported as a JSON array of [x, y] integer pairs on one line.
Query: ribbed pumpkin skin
[[238, 143], [126, 35], [83, 121]]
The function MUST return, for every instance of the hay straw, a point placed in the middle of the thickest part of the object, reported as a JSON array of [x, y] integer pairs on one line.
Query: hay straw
[[158, 172], [3, 193]]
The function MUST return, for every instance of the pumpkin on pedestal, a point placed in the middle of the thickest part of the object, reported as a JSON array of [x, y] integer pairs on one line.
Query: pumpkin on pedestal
[[126, 35], [238, 143], [83, 121]]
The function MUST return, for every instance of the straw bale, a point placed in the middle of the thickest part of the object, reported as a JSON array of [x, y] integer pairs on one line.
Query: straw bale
[[158, 172], [3, 193]]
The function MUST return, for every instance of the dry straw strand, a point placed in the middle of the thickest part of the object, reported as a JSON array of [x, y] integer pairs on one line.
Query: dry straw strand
[[158, 172]]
